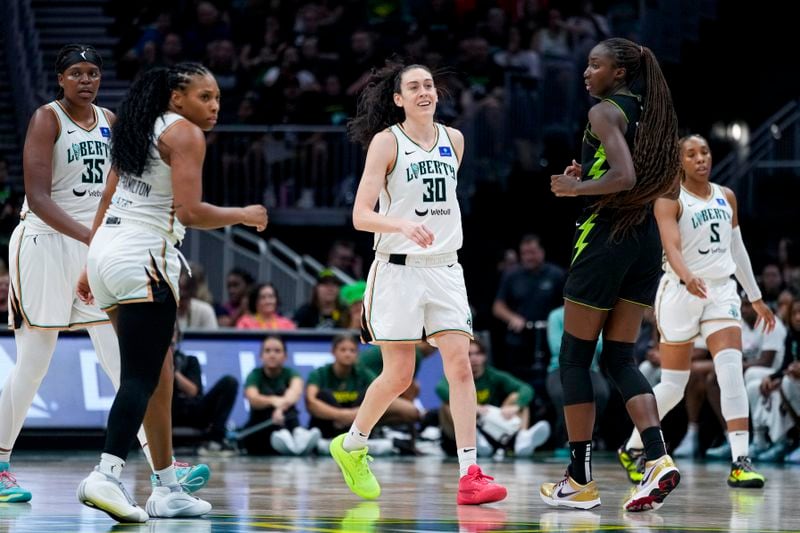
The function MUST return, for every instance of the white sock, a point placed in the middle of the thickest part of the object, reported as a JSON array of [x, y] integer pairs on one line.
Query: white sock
[[166, 477], [739, 444], [355, 439], [466, 458], [692, 430], [111, 465], [5, 457]]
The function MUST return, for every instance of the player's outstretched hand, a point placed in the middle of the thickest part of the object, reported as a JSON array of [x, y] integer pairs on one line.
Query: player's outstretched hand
[[765, 316], [417, 233]]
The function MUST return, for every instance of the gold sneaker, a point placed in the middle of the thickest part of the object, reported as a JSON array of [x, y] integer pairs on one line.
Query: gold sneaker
[[569, 493], [659, 479]]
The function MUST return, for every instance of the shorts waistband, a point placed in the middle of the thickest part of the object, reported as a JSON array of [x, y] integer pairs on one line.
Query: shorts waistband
[[117, 221], [711, 282], [418, 260]]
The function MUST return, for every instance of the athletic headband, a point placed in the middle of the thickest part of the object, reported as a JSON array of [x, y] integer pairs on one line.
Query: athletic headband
[[87, 54]]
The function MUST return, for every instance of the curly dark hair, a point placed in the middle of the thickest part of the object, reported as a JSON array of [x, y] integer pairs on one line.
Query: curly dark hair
[[376, 109], [147, 99], [656, 153]]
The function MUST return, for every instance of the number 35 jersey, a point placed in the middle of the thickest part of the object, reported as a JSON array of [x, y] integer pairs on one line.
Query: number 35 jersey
[[422, 188], [705, 226], [81, 162]]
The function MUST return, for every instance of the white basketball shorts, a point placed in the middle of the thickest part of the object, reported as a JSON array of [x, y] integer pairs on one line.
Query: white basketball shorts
[[406, 303], [43, 272], [127, 263], [682, 317]]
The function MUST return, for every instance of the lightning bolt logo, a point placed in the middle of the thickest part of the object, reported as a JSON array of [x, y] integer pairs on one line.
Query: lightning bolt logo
[[600, 157], [585, 228]]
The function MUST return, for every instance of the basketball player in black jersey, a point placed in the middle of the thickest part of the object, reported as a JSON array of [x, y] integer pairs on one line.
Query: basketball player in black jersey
[[629, 158]]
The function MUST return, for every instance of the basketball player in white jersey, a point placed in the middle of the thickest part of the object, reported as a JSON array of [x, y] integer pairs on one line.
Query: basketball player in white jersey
[[66, 160], [698, 298], [415, 289], [133, 265]]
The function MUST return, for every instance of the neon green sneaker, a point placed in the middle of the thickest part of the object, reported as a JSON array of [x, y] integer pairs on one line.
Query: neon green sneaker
[[632, 461], [355, 469], [744, 476]]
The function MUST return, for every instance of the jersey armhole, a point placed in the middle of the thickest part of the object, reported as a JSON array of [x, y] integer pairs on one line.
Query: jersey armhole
[[158, 139], [396, 152], [105, 114], [58, 123], [452, 146], [680, 209]]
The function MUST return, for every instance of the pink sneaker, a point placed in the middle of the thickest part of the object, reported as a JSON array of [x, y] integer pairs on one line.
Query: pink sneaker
[[476, 488]]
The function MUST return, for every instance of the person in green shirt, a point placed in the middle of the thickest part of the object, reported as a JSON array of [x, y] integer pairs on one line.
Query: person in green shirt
[[503, 409], [372, 358], [273, 391], [335, 391]]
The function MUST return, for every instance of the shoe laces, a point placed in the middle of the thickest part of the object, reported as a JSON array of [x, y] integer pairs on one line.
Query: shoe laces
[[120, 485], [8, 480], [743, 463], [363, 460], [480, 477], [563, 482]]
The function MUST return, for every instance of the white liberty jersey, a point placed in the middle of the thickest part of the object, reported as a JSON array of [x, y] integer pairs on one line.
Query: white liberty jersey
[[147, 199], [422, 187], [81, 162], [705, 226]]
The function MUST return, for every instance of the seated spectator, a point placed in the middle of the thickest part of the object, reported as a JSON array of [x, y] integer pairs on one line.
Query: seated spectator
[[194, 408], [352, 298], [772, 284], [602, 391], [273, 391], [775, 400], [263, 303], [237, 283], [335, 391], [323, 311], [762, 355], [503, 410], [193, 313]]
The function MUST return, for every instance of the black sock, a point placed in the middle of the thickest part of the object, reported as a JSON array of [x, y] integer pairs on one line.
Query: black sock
[[653, 441], [580, 466]]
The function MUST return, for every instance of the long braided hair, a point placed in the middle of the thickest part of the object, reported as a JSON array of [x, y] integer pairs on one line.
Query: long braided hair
[[656, 154], [376, 109], [147, 99]]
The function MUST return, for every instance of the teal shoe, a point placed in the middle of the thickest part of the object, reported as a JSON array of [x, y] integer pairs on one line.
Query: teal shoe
[[10, 491], [191, 477]]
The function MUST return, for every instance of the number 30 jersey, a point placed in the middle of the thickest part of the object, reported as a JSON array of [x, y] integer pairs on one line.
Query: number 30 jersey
[[705, 226], [422, 187], [81, 162]]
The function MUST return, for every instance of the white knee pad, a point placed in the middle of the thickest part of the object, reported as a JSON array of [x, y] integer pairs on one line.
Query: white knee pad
[[733, 395], [669, 391]]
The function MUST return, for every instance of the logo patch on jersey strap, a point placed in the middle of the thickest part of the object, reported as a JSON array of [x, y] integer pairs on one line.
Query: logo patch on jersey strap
[[105, 132], [445, 151], [721, 201]]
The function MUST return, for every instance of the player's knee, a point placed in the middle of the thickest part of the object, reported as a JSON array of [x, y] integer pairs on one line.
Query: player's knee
[[575, 359], [622, 371], [733, 395]]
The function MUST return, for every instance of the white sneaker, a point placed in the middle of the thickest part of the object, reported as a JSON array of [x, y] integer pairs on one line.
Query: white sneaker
[[106, 493], [283, 442], [529, 439], [305, 440], [171, 502]]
